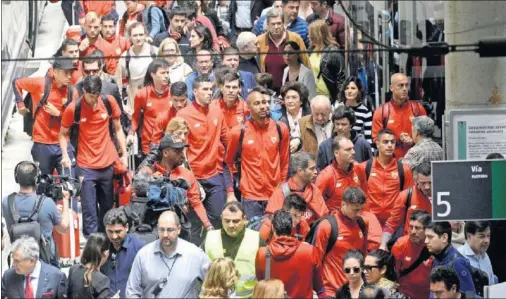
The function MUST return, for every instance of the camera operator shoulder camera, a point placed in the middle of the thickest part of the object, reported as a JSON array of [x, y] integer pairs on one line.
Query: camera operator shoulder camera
[[33, 213]]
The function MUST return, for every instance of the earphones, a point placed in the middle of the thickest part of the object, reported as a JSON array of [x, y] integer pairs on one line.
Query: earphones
[[34, 175]]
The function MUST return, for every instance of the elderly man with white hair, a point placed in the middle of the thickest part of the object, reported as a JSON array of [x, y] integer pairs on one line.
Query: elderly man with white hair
[[316, 127], [425, 149], [29, 277], [247, 43]]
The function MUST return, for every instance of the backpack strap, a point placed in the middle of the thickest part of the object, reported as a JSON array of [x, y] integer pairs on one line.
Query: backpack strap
[[280, 135], [368, 167], [400, 170], [238, 153], [127, 64], [385, 108], [107, 104], [408, 198], [424, 255], [12, 207], [334, 232], [70, 93], [415, 109], [38, 205], [45, 96], [267, 263], [75, 125], [363, 228], [286, 190]]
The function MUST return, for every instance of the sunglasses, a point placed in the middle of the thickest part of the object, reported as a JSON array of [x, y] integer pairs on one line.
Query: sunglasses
[[370, 267], [354, 269]]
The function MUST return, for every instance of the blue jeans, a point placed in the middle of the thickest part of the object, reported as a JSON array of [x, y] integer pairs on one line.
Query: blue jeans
[[96, 197], [216, 196]]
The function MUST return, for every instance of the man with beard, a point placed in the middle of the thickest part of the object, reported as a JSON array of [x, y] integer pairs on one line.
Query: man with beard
[[169, 267], [263, 152], [124, 248], [178, 20], [412, 258], [237, 242], [417, 197], [170, 164]]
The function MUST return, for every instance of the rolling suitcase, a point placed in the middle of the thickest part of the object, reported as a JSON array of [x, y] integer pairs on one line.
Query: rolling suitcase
[[122, 186], [68, 244]]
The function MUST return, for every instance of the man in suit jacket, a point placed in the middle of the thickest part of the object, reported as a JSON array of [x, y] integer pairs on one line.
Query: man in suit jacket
[[30, 277]]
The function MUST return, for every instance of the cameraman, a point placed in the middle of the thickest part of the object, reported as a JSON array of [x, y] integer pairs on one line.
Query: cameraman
[[26, 175], [170, 164]]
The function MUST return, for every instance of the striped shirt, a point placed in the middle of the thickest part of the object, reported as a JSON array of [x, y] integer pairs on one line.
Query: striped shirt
[[363, 125]]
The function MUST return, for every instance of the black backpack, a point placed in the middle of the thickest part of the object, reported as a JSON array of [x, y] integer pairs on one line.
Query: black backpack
[[256, 222], [29, 226], [480, 277], [238, 153], [165, 13], [400, 170], [29, 118], [334, 231], [74, 129]]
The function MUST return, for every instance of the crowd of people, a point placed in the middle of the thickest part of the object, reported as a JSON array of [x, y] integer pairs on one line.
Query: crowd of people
[[290, 182]]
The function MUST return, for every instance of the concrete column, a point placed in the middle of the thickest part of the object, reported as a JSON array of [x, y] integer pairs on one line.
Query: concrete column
[[470, 80]]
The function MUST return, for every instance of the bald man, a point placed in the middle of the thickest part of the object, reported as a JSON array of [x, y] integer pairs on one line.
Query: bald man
[[169, 267], [397, 115], [315, 128], [264, 153]]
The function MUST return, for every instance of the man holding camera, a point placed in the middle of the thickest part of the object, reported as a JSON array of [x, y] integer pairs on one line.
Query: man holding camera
[[25, 203], [170, 165]]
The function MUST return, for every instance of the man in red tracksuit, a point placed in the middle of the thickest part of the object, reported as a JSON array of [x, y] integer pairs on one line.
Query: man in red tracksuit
[[407, 250], [293, 262], [350, 236], [421, 199], [296, 206], [264, 154], [119, 43], [95, 152], [179, 100], [341, 174], [396, 115], [303, 173], [46, 149], [384, 181], [207, 137]]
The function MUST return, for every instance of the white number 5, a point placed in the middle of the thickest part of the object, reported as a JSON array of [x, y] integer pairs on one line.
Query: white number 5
[[443, 202]]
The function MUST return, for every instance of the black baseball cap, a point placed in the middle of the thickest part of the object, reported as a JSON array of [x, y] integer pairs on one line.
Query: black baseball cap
[[64, 63], [168, 141]]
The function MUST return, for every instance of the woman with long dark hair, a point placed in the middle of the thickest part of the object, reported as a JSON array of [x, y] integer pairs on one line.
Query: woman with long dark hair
[[352, 266], [296, 71], [201, 39], [353, 95], [152, 99], [85, 279], [379, 269]]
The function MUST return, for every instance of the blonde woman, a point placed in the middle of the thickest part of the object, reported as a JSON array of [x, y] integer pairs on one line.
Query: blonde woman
[[170, 51], [220, 280], [329, 72], [272, 288]]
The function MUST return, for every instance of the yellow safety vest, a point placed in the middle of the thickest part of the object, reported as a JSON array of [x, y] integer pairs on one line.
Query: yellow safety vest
[[244, 261]]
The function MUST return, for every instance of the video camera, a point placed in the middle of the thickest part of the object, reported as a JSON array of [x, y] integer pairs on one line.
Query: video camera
[[48, 186]]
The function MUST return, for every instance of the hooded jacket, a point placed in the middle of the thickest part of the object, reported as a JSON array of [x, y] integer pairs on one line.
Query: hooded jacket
[[295, 263]]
